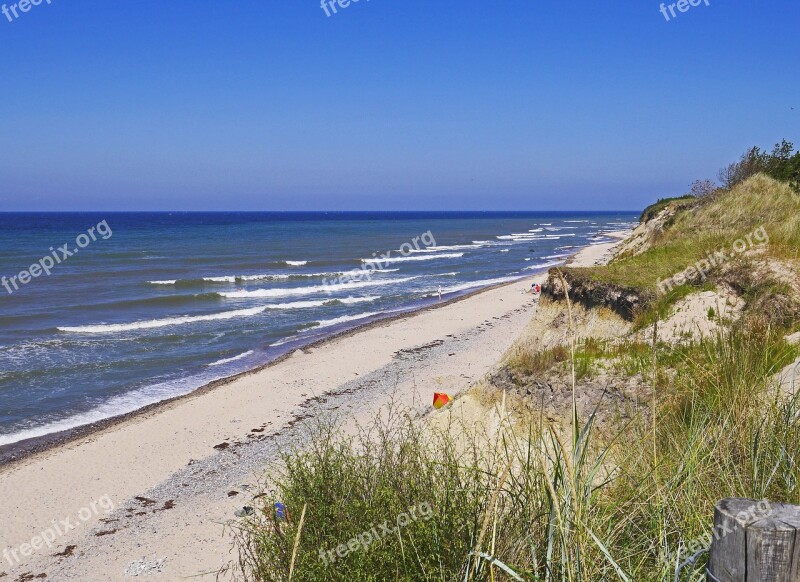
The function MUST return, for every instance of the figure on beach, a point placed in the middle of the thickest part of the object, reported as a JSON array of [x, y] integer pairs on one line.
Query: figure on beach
[[440, 292]]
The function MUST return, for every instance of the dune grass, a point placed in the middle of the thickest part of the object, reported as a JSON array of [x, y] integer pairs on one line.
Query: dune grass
[[543, 503], [549, 504], [705, 225], [724, 223]]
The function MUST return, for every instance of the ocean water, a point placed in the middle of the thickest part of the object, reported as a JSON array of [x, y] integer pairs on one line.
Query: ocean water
[[140, 307]]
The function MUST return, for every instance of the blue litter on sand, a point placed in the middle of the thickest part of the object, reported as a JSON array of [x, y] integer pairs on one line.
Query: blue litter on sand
[[280, 511]]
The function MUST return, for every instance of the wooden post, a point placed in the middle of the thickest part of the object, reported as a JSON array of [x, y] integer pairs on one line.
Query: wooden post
[[755, 541]]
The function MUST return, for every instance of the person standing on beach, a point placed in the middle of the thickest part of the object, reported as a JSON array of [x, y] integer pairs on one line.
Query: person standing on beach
[[440, 292]]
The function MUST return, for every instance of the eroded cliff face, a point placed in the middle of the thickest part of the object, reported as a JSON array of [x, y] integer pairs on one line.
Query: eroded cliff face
[[647, 233], [627, 302], [624, 301]]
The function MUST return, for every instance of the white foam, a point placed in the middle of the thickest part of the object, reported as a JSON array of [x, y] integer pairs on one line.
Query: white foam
[[283, 276], [186, 319], [564, 255], [344, 319], [412, 258], [354, 300], [445, 248], [504, 251], [170, 282], [229, 360], [273, 276], [333, 288], [297, 304], [526, 237], [543, 265], [296, 263], [490, 243], [483, 283], [220, 279], [573, 221], [154, 323], [365, 272], [116, 406]]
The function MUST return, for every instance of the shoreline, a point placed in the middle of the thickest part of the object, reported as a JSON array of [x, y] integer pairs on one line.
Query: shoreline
[[177, 470], [23, 450], [600, 253], [177, 474]]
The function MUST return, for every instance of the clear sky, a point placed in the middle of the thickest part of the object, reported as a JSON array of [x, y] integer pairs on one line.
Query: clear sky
[[386, 105]]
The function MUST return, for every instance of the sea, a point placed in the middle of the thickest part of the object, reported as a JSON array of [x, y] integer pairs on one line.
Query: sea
[[104, 313]]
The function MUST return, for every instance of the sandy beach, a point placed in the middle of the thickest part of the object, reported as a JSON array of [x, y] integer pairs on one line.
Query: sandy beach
[[599, 253], [176, 474], [185, 459]]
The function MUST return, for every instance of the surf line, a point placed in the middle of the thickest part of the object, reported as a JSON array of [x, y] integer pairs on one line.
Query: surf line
[[378, 262]]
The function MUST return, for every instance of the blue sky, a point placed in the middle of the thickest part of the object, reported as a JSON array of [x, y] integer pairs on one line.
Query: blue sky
[[389, 104]]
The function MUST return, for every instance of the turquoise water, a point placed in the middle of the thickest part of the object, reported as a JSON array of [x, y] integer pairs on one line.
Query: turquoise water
[[141, 307]]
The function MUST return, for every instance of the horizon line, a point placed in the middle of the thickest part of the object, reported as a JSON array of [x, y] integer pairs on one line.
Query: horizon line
[[307, 211]]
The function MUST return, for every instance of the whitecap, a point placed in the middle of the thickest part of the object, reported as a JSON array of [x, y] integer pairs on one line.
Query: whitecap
[[187, 319], [344, 319], [543, 265], [333, 288], [412, 258], [229, 360], [154, 323], [483, 283]]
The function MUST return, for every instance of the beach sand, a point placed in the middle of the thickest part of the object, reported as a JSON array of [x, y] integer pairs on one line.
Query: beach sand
[[598, 254], [177, 472], [167, 456]]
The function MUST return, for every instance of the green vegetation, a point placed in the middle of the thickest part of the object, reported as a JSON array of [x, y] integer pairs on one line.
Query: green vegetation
[[782, 164], [699, 227], [628, 358], [550, 506], [351, 485], [569, 504], [526, 362], [652, 211]]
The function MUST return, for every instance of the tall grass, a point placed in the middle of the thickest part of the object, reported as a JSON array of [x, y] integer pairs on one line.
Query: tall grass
[[722, 430], [708, 225], [538, 502]]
